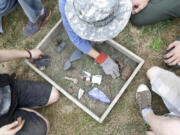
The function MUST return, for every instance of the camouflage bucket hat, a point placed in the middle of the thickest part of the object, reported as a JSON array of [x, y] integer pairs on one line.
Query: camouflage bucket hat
[[98, 20]]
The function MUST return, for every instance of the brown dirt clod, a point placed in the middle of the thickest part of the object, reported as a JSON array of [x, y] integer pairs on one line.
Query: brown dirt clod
[[120, 63], [126, 72], [55, 41]]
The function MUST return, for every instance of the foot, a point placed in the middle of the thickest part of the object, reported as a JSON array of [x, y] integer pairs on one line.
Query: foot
[[143, 97], [173, 54], [32, 28]]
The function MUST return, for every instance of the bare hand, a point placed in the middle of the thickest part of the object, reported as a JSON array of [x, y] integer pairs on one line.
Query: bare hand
[[13, 128], [36, 53], [139, 5], [173, 57]]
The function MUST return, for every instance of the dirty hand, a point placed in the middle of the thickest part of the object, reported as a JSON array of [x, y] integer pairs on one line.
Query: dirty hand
[[11, 129], [36, 53], [173, 57], [139, 5], [108, 65]]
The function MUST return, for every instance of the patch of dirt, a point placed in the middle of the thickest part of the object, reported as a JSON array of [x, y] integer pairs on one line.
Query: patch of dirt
[[67, 109]]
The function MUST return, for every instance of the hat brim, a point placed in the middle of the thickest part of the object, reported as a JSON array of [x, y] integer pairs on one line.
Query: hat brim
[[92, 33]]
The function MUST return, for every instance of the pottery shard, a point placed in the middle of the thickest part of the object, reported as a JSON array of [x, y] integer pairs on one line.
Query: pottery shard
[[120, 63], [126, 72]]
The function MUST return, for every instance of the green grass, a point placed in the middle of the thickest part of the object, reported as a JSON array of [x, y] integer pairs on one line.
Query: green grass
[[156, 44], [67, 119]]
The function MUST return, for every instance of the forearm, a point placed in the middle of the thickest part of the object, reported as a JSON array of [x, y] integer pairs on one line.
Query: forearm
[[7, 55], [93, 53], [81, 44]]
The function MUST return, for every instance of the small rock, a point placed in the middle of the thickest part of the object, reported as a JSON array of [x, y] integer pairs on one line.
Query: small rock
[[80, 93], [88, 83], [83, 78], [126, 73], [55, 41]]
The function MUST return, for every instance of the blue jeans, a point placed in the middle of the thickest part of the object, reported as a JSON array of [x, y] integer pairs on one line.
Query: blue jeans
[[32, 8]]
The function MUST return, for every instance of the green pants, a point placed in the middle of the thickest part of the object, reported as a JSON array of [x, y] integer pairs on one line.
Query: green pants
[[157, 10]]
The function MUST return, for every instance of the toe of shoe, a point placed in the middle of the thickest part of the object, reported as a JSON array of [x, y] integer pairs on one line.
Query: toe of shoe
[[142, 87]]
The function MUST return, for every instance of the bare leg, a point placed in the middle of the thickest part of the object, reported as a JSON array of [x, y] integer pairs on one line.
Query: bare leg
[[54, 96], [162, 125]]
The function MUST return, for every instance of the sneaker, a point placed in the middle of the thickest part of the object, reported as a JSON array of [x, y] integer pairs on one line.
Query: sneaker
[[143, 97], [32, 28]]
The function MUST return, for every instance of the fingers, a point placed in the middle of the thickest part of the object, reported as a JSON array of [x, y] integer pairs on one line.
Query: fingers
[[115, 73], [138, 9], [172, 45], [170, 60], [174, 63], [170, 54], [12, 125], [19, 127]]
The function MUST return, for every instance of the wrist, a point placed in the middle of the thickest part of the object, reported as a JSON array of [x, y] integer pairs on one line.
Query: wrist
[[101, 58], [28, 54]]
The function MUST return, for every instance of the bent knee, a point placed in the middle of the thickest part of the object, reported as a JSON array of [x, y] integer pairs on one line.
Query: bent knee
[[33, 120], [152, 72], [54, 97]]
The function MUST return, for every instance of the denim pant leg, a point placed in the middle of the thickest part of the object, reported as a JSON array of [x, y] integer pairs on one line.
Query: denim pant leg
[[6, 6], [32, 9]]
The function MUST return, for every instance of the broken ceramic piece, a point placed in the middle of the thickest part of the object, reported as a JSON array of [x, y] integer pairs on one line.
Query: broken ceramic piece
[[76, 55], [86, 74], [74, 80], [67, 65], [96, 94], [61, 46], [80, 93], [126, 73], [97, 79], [42, 62], [88, 79]]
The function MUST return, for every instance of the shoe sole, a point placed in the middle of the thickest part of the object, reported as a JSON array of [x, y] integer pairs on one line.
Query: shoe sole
[[47, 18]]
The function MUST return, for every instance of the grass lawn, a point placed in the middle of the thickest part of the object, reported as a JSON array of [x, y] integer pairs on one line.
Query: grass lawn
[[148, 42]]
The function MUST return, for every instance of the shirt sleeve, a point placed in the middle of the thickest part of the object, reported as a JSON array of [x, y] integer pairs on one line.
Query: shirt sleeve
[[80, 43]]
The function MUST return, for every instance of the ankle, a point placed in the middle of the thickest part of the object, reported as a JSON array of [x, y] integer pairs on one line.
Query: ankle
[[146, 112]]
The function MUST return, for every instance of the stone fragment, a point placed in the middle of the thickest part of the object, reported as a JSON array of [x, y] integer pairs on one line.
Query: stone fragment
[[126, 73], [67, 65], [80, 93], [97, 79], [76, 55]]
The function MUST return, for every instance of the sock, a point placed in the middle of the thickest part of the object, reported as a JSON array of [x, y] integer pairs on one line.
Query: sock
[[145, 111], [42, 11]]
